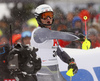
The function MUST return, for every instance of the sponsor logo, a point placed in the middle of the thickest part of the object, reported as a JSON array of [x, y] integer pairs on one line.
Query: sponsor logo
[[9, 79]]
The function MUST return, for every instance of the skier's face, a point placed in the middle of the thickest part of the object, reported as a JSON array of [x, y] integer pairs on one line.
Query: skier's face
[[47, 18]]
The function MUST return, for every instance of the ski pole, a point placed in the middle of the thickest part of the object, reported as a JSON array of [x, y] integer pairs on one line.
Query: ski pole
[[70, 78], [11, 34], [70, 73]]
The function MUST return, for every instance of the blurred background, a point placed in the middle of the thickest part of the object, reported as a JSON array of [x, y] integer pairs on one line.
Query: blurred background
[[19, 15]]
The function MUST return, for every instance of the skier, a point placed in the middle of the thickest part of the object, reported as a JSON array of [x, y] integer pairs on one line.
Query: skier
[[45, 40], [23, 62]]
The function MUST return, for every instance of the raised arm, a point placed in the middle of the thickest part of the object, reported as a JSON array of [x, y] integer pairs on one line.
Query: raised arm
[[44, 34]]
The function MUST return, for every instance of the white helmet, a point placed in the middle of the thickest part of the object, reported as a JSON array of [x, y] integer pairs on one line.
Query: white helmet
[[41, 9]]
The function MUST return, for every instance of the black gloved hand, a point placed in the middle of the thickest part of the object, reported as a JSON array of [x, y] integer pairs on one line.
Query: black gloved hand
[[81, 36], [72, 65]]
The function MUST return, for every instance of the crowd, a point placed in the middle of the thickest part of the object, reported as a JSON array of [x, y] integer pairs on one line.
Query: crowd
[[70, 22]]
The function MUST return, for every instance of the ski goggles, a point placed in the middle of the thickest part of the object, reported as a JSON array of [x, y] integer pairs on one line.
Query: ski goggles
[[47, 14]]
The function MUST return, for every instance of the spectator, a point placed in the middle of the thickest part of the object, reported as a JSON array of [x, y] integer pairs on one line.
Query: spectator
[[3, 40], [1, 33], [32, 23], [17, 26], [92, 35], [96, 26], [69, 18], [61, 27], [92, 11], [25, 27], [26, 36], [98, 37], [15, 39], [77, 26], [96, 19], [4, 50]]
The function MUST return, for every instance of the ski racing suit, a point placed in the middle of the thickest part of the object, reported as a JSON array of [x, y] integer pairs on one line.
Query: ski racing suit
[[45, 40]]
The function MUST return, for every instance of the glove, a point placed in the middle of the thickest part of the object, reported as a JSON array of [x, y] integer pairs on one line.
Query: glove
[[72, 65], [81, 36]]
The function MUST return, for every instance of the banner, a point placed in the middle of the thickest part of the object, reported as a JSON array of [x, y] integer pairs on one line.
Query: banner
[[88, 62]]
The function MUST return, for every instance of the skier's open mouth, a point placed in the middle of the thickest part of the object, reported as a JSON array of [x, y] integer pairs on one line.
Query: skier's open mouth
[[48, 22]]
